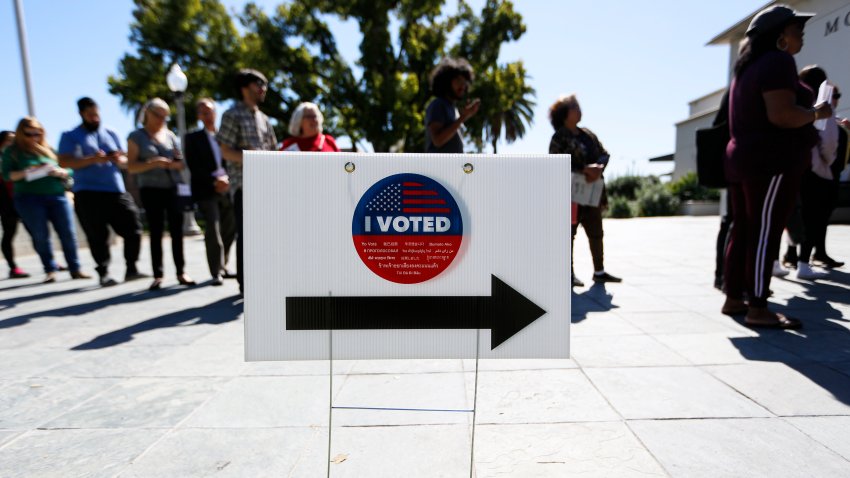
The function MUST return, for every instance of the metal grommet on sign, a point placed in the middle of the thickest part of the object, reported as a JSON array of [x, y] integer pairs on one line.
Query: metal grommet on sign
[[468, 168], [349, 167]]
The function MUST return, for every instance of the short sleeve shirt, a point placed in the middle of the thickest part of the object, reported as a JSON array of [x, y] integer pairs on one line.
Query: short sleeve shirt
[[584, 148], [757, 147], [442, 111], [17, 160], [148, 148], [79, 143], [244, 128]]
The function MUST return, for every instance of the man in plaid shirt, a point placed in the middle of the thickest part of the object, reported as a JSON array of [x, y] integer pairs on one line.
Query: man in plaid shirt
[[244, 127]]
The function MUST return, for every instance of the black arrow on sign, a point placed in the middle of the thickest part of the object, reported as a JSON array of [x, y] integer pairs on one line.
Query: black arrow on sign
[[505, 312]]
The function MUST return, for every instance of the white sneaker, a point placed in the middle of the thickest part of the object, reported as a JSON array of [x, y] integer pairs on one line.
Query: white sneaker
[[805, 272], [778, 270]]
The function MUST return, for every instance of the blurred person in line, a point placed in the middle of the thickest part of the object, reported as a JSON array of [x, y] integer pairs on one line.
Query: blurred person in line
[[817, 186], [210, 190], [726, 217], [100, 199], [305, 126], [770, 122], [590, 158], [244, 128], [39, 195], [795, 235], [154, 157], [450, 82], [8, 216]]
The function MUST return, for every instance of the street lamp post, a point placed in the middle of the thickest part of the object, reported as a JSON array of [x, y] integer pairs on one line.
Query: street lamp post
[[25, 56], [177, 83]]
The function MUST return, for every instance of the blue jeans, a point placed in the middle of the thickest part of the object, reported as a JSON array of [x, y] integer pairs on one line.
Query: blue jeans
[[35, 211]]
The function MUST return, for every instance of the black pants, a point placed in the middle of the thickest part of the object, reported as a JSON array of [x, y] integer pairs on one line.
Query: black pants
[[240, 241], [723, 237], [817, 204], [97, 212], [219, 230], [160, 204], [10, 220], [761, 207], [590, 219]]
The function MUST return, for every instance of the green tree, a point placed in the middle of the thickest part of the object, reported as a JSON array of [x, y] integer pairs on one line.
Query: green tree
[[198, 34], [507, 98], [380, 98]]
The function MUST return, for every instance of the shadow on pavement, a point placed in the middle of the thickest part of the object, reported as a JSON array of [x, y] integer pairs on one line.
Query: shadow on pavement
[[218, 312], [80, 309], [10, 303], [594, 299], [822, 343]]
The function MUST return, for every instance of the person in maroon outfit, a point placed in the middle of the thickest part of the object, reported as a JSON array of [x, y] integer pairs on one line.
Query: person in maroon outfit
[[770, 122]]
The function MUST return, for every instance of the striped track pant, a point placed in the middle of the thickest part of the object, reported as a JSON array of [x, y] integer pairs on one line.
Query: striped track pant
[[761, 207]]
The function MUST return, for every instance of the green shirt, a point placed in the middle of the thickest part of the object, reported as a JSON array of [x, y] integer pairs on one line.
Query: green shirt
[[16, 160]]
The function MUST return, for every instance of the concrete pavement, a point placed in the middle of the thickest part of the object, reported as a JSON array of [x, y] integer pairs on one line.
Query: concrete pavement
[[126, 382]]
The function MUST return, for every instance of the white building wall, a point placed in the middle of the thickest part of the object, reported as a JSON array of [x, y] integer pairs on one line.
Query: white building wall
[[827, 44], [702, 112]]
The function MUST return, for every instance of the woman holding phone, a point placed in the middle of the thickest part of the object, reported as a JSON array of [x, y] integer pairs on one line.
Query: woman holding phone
[[154, 157]]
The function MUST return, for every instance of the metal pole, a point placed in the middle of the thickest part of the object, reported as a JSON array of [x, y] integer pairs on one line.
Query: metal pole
[[25, 56], [190, 227]]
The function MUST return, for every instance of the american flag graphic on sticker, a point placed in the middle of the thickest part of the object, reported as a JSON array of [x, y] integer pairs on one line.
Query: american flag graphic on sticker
[[407, 228]]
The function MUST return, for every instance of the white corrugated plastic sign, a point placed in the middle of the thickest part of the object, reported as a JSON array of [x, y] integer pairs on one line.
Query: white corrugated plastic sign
[[406, 256]]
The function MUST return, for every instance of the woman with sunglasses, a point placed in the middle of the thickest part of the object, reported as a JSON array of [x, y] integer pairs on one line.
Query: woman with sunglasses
[[155, 160], [39, 195]]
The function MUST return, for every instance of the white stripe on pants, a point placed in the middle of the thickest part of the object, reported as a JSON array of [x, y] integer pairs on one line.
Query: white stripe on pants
[[764, 233]]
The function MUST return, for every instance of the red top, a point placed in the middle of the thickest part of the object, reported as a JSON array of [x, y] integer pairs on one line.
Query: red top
[[320, 142]]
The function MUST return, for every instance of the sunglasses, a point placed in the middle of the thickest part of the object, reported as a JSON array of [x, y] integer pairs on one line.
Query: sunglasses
[[33, 134], [162, 116]]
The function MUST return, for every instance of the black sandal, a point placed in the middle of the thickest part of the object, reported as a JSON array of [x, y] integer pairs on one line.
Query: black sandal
[[183, 279], [781, 322], [156, 285]]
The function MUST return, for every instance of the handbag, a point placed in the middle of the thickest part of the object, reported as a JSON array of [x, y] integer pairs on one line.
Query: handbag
[[711, 151]]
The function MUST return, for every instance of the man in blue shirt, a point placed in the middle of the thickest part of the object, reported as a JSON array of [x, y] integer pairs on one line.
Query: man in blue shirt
[[100, 199]]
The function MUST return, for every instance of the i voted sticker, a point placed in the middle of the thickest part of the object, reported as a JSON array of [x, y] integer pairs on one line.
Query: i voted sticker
[[407, 228]]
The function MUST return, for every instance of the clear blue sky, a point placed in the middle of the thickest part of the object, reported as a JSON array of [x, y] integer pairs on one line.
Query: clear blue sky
[[634, 66]]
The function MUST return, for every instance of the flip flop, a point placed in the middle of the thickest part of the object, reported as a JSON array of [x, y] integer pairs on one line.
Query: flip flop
[[781, 322], [735, 310]]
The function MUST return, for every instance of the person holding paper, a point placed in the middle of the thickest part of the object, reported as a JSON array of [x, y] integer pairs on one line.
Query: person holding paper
[[305, 126], [154, 157], [589, 158], [39, 195], [770, 123], [210, 190], [818, 183]]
